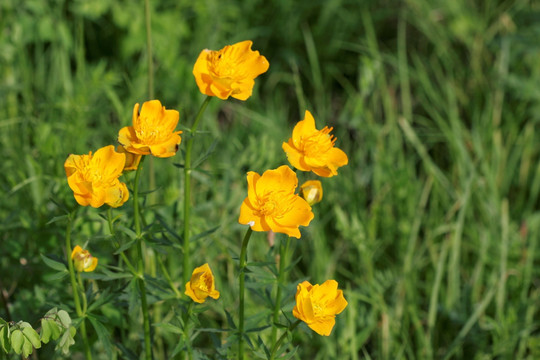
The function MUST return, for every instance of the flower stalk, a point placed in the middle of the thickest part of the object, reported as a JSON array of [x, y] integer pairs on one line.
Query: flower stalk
[[76, 299], [282, 337], [283, 254], [140, 265], [243, 261], [187, 189]]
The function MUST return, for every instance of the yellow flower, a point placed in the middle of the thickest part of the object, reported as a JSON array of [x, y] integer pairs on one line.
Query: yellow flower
[[318, 305], [152, 131], [201, 285], [310, 149], [132, 160], [230, 71], [83, 260], [271, 203], [312, 191], [94, 178]]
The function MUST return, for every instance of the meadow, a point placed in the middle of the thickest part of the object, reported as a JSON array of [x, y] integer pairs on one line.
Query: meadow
[[431, 229]]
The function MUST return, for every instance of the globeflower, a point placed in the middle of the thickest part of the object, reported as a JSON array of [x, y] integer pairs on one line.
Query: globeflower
[[152, 132], [271, 203], [83, 260], [230, 71], [132, 160], [201, 285], [94, 178], [310, 149], [312, 191], [318, 305]]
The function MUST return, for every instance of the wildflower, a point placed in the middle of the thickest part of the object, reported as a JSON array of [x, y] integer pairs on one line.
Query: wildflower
[[201, 285], [132, 160], [152, 132], [318, 305], [94, 177], [271, 203], [230, 71], [310, 149], [312, 191], [83, 260]]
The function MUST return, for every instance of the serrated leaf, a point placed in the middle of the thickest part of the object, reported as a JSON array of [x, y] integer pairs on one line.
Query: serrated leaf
[[17, 340], [32, 336], [64, 318], [53, 264]]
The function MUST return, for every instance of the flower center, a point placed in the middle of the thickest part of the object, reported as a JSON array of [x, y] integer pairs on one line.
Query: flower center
[[319, 142], [318, 308], [226, 64], [275, 204], [148, 131]]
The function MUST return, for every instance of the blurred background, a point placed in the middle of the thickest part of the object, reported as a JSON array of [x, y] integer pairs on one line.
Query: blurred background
[[432, 229]]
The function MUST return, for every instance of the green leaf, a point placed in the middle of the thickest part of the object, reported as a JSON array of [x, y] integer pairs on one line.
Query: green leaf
[[103, 335], [31, 335], [50, 329], [170, 328], [64, 318], [4, 336], [46, 330], [53, 264], [203, 234], [17, 340], [66, 340], [57, 218]]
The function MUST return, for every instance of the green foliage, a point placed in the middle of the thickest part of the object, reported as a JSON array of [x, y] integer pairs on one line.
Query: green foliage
[[21, 338], [432, 229]]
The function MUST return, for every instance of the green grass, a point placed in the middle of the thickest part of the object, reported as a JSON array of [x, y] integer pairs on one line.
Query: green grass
[[431, 229]]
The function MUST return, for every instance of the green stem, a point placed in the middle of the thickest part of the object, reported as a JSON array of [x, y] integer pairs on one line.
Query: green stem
[[140, 264], [283, 336], [150, 61], [186, 333], [168, 277], [283, 253], [187, 189], [113, 233], [80, 312], [243, 256]]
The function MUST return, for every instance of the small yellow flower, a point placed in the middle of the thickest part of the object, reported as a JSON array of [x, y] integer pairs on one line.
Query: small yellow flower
[[132, 160], [230, 71], [83, 260], [94, 178], [318, 305], [152, 132], [201, 285], [312, 191], [271, 203], [310, 149]]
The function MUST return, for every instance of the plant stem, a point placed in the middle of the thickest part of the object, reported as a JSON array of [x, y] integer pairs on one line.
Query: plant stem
[[283, 336], [150, 62], [187, 189], [113, 233], [243, 255], [140, 264], [80, 312], [283, 253], [186, 333]]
